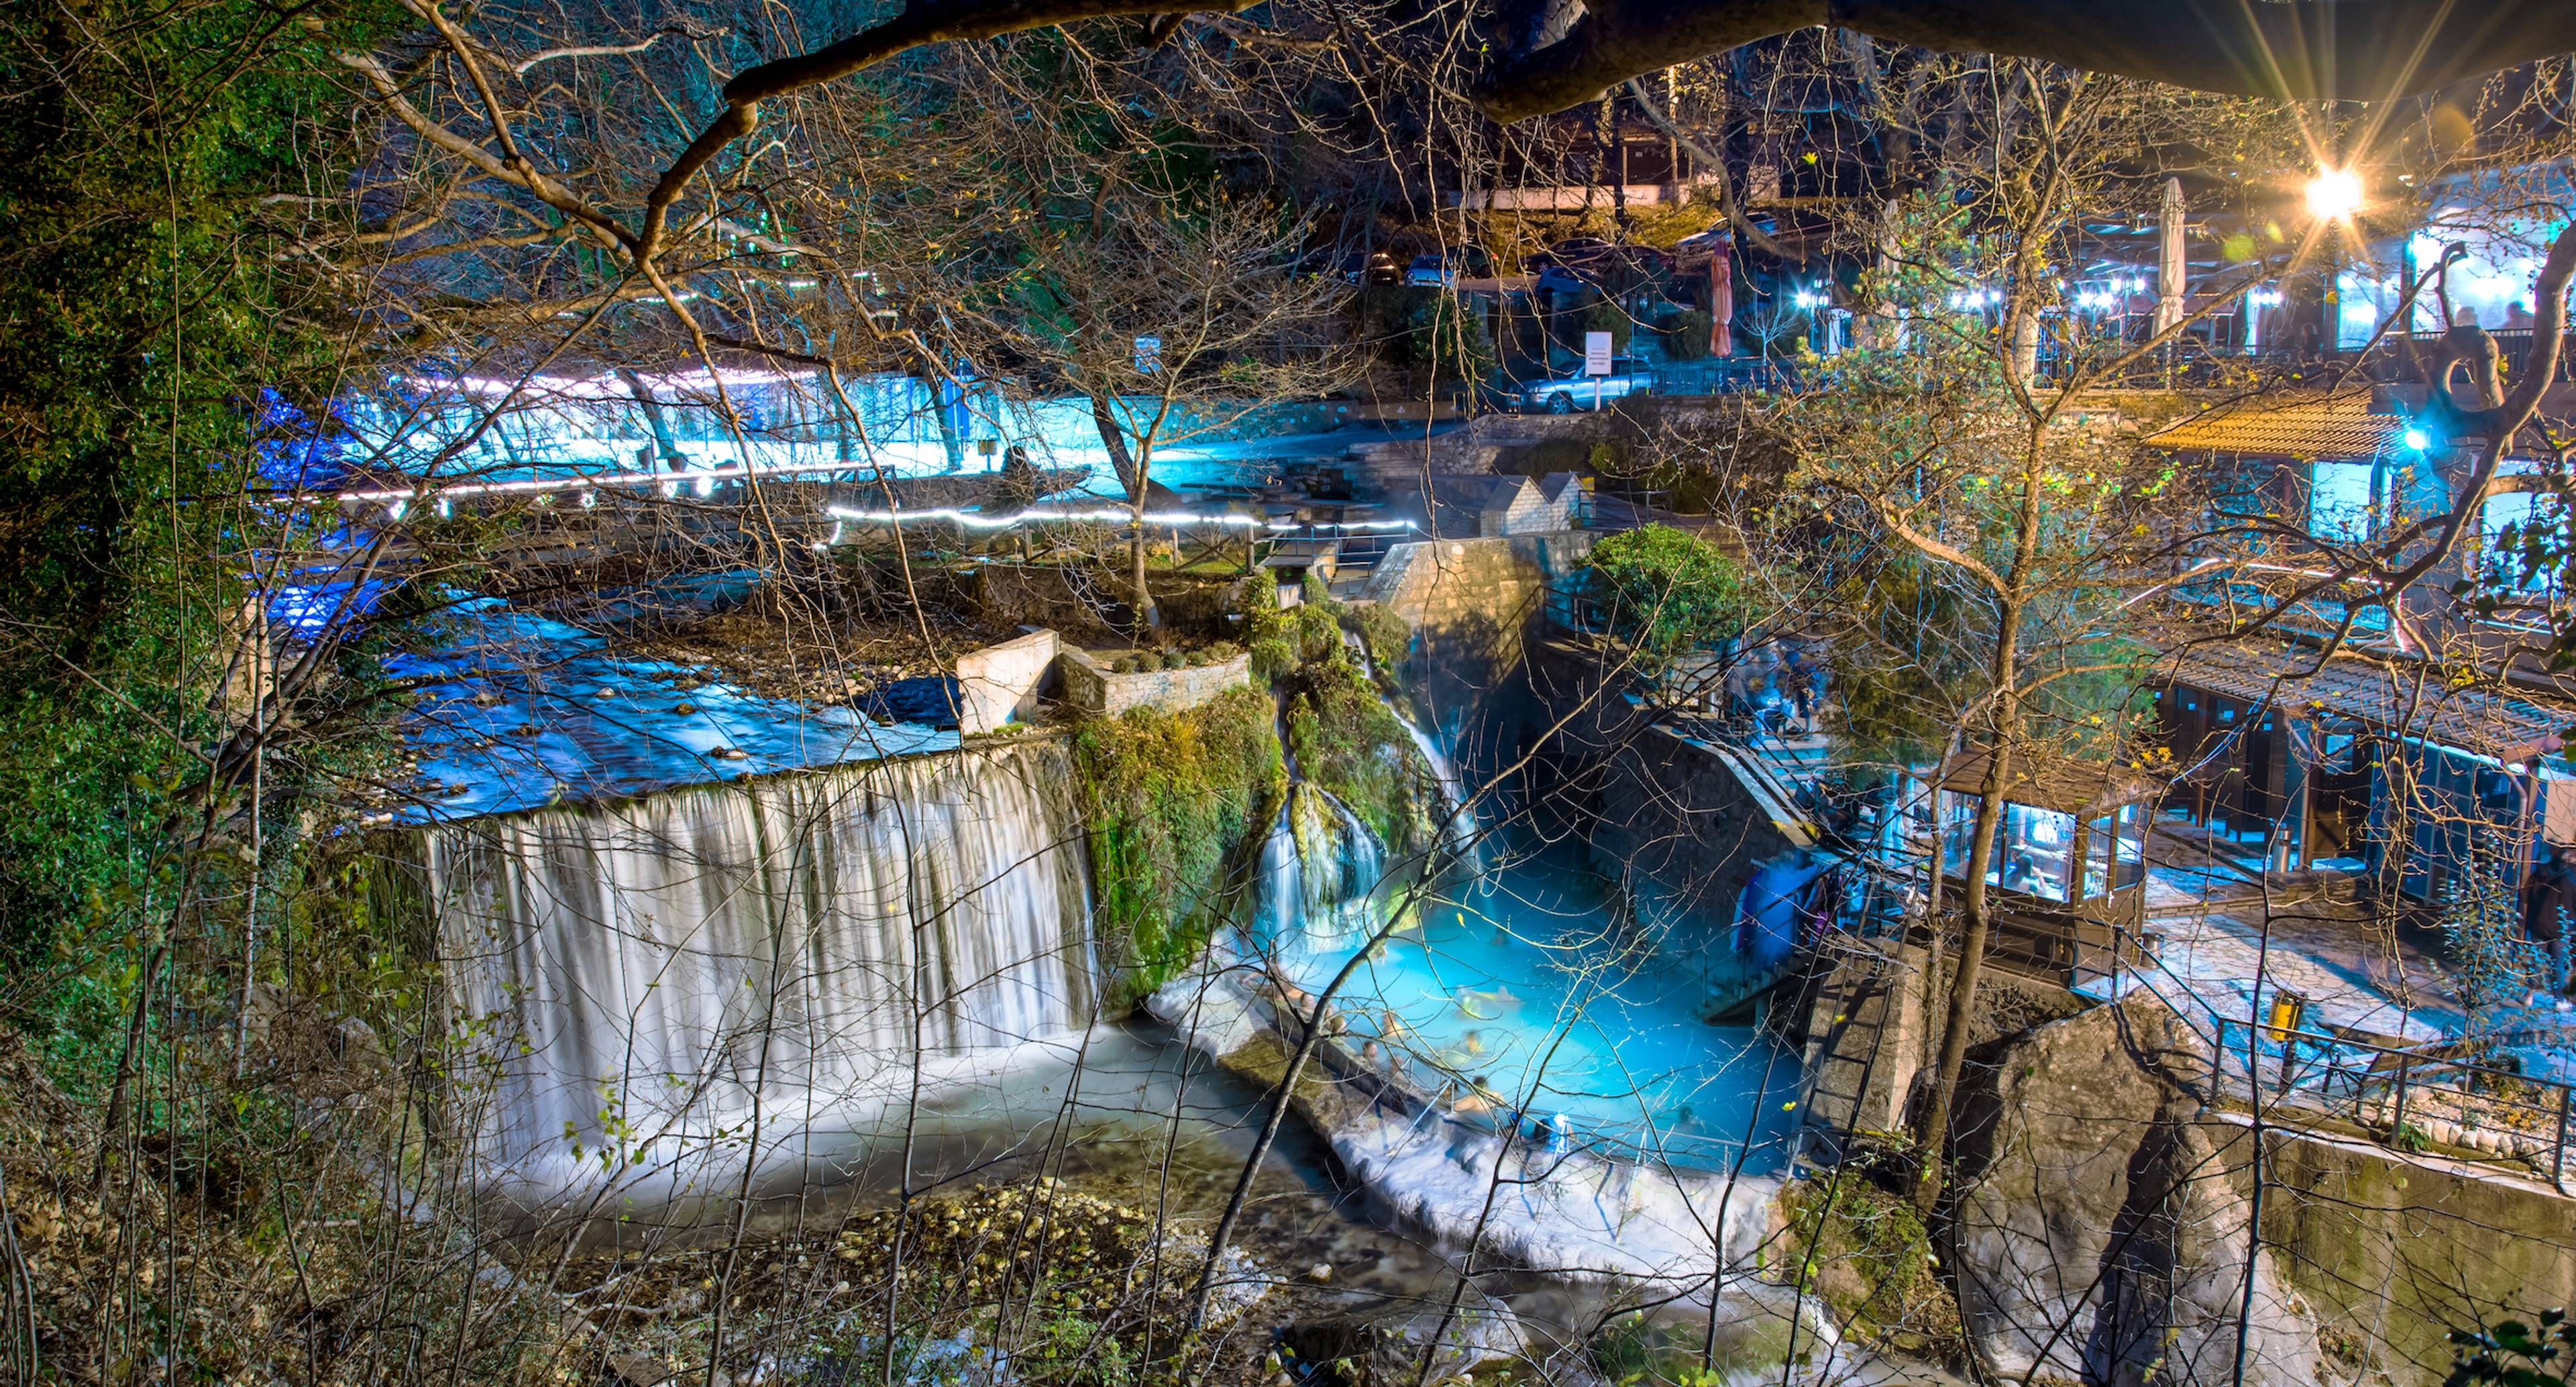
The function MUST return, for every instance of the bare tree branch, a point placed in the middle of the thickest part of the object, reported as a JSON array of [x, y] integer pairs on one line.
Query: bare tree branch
[[2304, 50]]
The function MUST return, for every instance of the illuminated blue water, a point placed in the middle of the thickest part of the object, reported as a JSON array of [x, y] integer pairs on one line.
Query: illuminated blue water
[[1532, 990], [516, 710]]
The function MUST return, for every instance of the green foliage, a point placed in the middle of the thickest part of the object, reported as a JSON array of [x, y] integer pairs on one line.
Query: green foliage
[[2491, 962], [2514, 1354], [1606, 316], [154, 286], [1343, 735], [1450, 336], [1171, 800], [1685, 334], [1666, 591], [1866, 1253]]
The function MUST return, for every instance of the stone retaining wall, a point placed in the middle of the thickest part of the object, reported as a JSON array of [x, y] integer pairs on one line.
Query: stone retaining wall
[[1101, 692], [2105, 1215]]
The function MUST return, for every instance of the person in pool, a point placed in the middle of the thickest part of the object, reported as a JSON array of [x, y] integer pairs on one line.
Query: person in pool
[[1479, 1097]]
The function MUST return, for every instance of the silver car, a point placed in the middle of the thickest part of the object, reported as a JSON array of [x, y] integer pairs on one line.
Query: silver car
[[1627, 377]]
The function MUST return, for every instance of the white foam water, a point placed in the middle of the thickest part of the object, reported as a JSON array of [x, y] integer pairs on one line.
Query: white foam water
[[673, 978]]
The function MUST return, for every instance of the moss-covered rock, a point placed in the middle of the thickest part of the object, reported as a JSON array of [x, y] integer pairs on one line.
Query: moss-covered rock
[[1174, 805], [1866, 1254], [1342, 735]]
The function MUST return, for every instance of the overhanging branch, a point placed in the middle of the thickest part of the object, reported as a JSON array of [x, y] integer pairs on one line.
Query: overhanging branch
[[2305, 50]]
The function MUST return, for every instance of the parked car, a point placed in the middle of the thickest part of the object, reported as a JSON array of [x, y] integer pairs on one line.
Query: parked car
[[1566, 394], [1445, 269], [1591, 260], [1557, 279], [1368, 269]]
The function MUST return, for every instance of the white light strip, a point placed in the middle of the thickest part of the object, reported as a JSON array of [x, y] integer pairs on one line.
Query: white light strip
[[979, 521], [725, 473], [1343, 525]]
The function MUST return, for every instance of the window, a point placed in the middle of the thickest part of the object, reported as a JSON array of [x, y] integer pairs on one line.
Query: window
[[2034, 852], [2340, 500], [2115, 851], [2338, 753]]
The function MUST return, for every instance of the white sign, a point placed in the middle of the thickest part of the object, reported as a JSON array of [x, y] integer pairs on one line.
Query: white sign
[[1149, 355], [1596, 353]]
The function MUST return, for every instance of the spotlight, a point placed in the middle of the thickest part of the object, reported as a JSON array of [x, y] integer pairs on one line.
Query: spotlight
[[2334, 194], [2416, 440]]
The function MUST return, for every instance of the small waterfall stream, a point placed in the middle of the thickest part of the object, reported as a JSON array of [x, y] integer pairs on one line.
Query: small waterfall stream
[[642, 978], [1459, 831], [1320, 872]]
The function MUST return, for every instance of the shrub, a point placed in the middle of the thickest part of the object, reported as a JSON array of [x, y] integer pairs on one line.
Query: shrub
[[1666, 591], [1174, 659], [1124, 664], [1607, 316], [1686, 334]]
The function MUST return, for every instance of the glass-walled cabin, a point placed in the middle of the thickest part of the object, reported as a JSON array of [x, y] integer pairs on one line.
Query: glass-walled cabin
[[2068, 871]]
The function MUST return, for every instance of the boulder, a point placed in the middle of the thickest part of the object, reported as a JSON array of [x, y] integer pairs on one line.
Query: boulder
[[2102, 1230]]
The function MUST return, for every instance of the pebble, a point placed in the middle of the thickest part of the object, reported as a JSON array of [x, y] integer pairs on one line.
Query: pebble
[[1320, 1273]]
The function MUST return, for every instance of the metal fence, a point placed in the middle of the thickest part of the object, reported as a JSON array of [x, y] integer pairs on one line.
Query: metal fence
[[2444, 1097]]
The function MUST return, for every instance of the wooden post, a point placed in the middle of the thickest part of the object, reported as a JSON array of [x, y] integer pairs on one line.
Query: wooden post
[[2558, 1158]]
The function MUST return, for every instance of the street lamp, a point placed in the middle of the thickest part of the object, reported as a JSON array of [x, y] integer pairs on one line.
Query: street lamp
[[2334, 195]]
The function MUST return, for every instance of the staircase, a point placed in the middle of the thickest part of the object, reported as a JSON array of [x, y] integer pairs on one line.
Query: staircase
[[1863, 1036]]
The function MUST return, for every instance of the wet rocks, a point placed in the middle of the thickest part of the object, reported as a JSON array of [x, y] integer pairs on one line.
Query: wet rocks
[[1382, 1343]]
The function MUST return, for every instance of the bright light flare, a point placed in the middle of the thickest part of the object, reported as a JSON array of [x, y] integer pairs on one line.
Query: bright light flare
[[2334, 195]]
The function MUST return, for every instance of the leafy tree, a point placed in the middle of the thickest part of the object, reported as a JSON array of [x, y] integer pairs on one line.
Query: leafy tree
[[1666, 591]]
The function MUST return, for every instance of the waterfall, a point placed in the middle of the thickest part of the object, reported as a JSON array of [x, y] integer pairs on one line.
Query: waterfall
[[640, 980], [1458, 831], [1320, 870]]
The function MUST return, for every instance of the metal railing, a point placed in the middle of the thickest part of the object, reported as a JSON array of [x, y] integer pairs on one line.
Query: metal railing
[[2411, 1099]]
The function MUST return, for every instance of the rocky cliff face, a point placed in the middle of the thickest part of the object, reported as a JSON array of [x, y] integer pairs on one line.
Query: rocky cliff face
[[2102, 1237]]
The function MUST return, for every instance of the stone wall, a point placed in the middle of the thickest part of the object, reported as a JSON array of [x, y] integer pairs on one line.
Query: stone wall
[[1094, 689], [1449, 584], [1000, 684], [1475, 606], [2397, 1250], [2104, 1210]]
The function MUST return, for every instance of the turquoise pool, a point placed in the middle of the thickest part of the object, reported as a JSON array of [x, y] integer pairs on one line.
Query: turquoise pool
[[1524, 994]]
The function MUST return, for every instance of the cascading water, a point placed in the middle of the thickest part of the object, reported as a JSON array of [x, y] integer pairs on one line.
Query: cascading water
[[1458, 831], [1320, 870], [654, 978]]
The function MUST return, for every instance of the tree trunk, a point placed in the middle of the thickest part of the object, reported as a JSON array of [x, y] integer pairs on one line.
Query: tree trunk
[[1976, 911], [1131, 470]]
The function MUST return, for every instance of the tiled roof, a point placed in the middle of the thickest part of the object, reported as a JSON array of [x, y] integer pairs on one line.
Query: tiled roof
[[2055, 782], [2399, 696], [2312, 428]]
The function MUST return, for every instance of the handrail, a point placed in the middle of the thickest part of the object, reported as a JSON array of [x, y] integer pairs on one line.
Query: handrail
[[2251, 1040]]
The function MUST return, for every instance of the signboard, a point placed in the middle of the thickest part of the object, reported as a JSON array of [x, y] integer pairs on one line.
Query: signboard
[[1596, 353], [1149, 355]]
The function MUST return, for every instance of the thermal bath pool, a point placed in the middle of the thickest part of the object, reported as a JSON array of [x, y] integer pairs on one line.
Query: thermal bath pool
[[1528, 996]]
